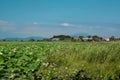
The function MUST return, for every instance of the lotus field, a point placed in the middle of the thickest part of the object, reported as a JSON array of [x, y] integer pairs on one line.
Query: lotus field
[[59, 60]]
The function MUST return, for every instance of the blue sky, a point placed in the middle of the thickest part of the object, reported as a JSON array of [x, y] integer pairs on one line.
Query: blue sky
[[24, 18]]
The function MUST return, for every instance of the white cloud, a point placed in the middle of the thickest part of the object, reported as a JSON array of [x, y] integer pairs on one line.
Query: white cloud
[[2, 22], [47, 30], [6, 26], [35, 23], [66, 24]]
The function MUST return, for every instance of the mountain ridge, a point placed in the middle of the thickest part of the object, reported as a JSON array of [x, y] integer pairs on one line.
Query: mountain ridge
[[26, 38]]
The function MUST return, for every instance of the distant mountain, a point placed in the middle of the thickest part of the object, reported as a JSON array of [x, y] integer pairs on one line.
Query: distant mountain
[[12, 39], [26, 39], [34, 37], [79, 34]]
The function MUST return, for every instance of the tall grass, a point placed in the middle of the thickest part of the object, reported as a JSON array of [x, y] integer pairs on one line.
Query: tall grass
[[96, 60]]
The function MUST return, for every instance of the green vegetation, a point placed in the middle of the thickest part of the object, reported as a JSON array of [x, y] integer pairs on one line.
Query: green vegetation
[[60, 61]]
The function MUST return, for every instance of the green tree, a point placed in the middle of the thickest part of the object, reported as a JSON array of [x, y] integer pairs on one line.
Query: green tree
[[97, 38], [31, 40], [112, 38]]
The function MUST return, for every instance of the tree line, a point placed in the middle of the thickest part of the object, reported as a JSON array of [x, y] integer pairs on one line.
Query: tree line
[[70, 38]]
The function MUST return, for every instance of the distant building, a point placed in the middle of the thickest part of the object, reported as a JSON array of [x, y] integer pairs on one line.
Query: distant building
[[55, 39], [87, 39], [76, 38], [107, 39]]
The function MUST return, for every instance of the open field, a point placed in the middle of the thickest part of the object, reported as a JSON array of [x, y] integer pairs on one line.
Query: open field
[[60, 60]]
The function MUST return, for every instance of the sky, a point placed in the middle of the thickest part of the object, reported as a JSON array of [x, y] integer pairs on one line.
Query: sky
[[24, 18]]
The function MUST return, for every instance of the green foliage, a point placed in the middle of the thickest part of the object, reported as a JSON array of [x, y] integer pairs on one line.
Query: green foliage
[[31, 40], [59, 61], [62, 37]]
